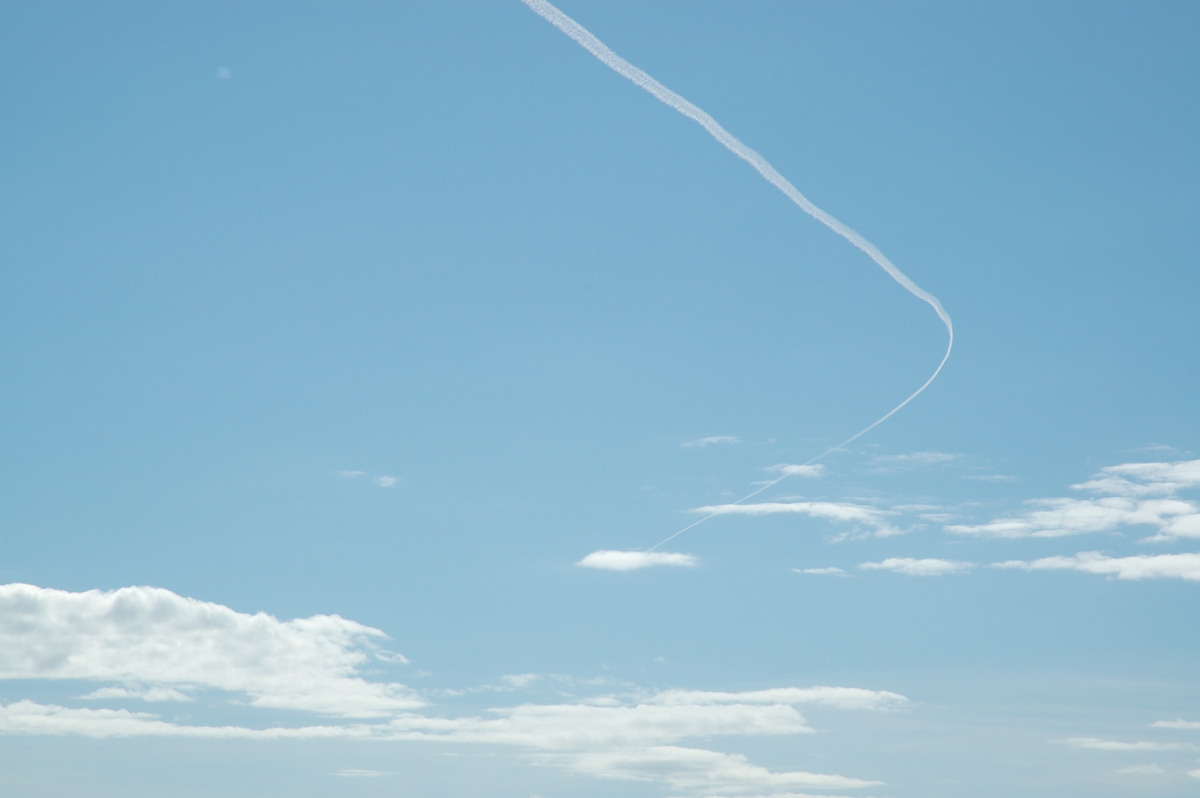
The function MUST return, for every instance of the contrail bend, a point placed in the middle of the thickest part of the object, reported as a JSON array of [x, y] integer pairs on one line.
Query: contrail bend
[[660, 92]]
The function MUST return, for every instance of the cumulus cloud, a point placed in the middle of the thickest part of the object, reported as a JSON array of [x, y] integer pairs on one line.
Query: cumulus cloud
[[159, 646], [929, 566], [839, 512], [712, 440], [610, 560], [1133, 494], [1141, 566], [154, 638]]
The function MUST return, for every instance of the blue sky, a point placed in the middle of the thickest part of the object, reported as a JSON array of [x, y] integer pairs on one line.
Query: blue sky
[[341, 340]]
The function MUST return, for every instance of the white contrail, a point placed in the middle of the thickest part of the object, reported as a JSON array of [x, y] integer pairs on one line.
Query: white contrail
[[627, 70]]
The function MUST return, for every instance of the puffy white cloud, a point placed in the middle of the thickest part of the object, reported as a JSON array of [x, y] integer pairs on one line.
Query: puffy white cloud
[[152, 637], [712, 440], [928, 566], [1140, 566], [1139, 494], [610, 560], [839, 512]]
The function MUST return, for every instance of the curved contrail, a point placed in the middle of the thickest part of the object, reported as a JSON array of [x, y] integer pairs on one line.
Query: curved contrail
[[660, 92]]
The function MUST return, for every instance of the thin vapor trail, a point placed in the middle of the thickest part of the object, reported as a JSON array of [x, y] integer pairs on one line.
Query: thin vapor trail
[[660, 92]]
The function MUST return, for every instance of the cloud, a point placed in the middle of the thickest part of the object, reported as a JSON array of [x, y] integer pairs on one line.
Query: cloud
[[609, 560], [1191, 725], [1141, 566], [918, 567], [1136, 494], [382, 480], [831, 570], [1141, 770], [154, 638], [160, 646], [713, 440], [838, 512], [909, 462], [692, 769], [790, 470], [144, 693], [1097, 744], [1195, 774], [355, 773]]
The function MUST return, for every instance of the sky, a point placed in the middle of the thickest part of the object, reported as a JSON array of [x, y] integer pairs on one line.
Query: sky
[[366, 367]]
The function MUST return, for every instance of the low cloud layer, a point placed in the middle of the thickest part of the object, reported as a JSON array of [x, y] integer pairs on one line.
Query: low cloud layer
[[610, 560]]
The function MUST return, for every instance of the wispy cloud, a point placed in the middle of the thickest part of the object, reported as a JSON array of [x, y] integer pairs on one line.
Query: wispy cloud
[[1141, 770], [872, 518], [1189, 725], [610, 560], [1141, 566], [910, 462], [382, 480], [354, 773], [1097, 744], [831, 570], [166, 644], [1133, 494], [149, 694], [794, 470], [712, 440], [928, 566]]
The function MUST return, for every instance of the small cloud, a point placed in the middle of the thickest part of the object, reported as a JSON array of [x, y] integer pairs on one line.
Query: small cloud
[[386, 482], [355, 773], [913, 567], [1195, 774], [518, 680], [712, 440], [1177, 724], [1141, 566], [224, 73], [1097, 744], [145, 694], [832, 570], [608, 560], [789, 470], [910, 462], [838, 512], [1141, 770], [382, 480]]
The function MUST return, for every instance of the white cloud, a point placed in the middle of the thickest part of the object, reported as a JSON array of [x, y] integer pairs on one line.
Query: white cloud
[[839, 512], [692, 769], [907, 462], [1097, 744], [1141, 770], [382, 480], [1141, 566], [353, 474], [789, 470], [1195, 774], [153, 637], [1177, 724], [831, 570], [1127, 503], [712, 440], [159, 645], [144, 693], [918, 567], [386, 482], [609, 560]]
